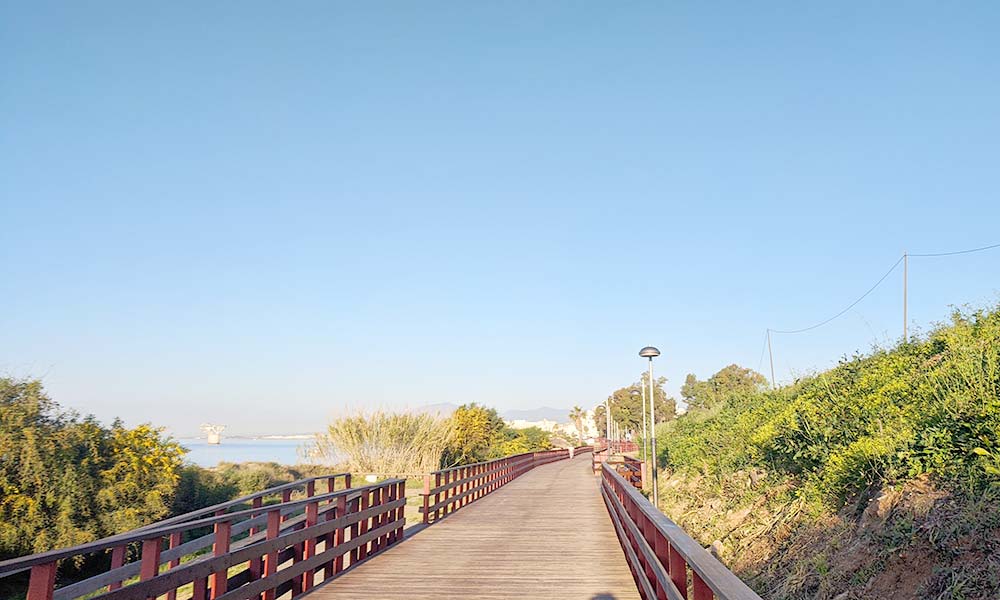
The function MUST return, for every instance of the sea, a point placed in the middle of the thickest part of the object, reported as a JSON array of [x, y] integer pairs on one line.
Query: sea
[[236, 450]]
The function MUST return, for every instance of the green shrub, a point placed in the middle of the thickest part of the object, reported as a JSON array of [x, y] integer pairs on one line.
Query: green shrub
[[66, 479], [926, 406], [386, 443]]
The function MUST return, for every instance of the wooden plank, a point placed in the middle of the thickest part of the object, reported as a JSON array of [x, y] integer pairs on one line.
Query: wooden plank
[[546, 534]]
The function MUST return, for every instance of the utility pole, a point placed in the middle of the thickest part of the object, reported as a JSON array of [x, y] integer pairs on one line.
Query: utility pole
[[906, 268], [650, 353], [645, 435], [607, 428], [771, 357]]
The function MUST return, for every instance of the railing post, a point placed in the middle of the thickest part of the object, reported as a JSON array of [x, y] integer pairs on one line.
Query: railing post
[[701, 589], [392, 492], [677, 568], [401, 511], [437, 496], [256, 564], [468, 475], [312, 517], [362, 550], [117, 560], [353, 507], [150, 565], [328, 539], [42, 582], [175, 540], [286, 496], [219, 580], [427, 498], [271, 558], [376, 543], [340, 533]]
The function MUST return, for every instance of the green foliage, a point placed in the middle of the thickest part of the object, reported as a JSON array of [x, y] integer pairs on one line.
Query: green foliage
[[386, 443], [927, 406], [198, 488], [519, 441], [67, 480], [478, 433], [730, 381], [626, 406]]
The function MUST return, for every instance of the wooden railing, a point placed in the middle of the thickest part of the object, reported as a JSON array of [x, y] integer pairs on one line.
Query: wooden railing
[[458, 486], [318, 535], [632, 470], [665, 561], [617, 446]]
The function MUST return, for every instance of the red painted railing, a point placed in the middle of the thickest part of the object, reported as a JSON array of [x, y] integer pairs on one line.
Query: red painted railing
[[455, 487], [617, 446], [631, 469], [665, 562], [315, 536]]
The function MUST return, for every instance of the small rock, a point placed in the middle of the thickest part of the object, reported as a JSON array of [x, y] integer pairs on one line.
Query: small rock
[[716, 549]]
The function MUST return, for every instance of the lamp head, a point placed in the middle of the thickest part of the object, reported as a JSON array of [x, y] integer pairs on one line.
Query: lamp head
[[649, 352]]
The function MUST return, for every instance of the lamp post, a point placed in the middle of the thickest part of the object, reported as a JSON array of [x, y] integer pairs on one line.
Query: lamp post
[[650, 352], [607, 428], [645, 437]]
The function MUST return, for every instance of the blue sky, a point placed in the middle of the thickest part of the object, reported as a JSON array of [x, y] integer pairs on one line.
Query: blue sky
[[260, 214]]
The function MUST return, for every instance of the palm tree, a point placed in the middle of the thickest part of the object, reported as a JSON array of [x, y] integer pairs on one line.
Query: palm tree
[[576, 415]]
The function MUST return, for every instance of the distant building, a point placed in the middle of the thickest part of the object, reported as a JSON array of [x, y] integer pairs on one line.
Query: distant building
[[213, 433], [567, 428]]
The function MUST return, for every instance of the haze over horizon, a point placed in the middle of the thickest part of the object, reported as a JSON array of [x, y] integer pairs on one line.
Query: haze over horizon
[[259, 217]]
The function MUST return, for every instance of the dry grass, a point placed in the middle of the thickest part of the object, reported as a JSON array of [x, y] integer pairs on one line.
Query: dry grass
[[386, 443]]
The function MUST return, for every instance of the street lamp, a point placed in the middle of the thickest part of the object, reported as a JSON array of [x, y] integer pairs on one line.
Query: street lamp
[[607, 428], [645, 436], [650, 352]]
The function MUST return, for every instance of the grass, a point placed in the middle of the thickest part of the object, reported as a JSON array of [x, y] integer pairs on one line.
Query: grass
[[386, 443], [894, 455]]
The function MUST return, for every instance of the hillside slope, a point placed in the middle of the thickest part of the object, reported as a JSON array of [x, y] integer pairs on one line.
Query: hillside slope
[[879, 478]]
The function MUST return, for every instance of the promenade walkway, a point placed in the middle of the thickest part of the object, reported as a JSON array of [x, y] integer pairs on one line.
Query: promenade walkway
[[547, 534]]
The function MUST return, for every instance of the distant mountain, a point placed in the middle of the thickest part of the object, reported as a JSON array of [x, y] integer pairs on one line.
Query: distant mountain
[[559, 415]]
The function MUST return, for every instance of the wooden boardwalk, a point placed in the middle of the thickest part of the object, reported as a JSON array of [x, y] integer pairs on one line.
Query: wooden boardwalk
[[547, 534]]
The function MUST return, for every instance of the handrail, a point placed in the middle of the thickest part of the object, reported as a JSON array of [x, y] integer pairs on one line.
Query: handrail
[[456, 487], [632, 469], [343, 525], [16, 565], [660, 553]]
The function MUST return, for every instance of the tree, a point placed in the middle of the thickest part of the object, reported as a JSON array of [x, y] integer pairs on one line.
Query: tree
[[728, 382], [519, 441], [66, 480], [476, 431], [627, 408], [577, 415]]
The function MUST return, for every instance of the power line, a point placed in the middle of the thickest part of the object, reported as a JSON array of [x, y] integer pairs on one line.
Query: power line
[[849, 306], [903, 258], [969, 251]]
